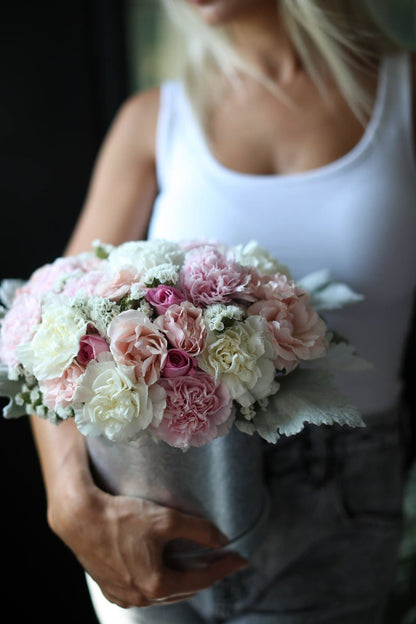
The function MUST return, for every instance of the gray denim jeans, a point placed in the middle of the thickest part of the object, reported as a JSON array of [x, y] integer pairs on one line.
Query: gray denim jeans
[[330, 547]]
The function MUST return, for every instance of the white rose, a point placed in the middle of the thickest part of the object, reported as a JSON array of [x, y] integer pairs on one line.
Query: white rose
[[110, 402], [253, 255], [241, 357], [143, 255], [56, 342]]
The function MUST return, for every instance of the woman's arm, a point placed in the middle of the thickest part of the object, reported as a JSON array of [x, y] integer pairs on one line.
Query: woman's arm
[[123, 184], [119, 540]]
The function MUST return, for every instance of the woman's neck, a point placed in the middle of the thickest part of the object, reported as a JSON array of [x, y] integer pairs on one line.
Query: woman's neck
[[263, 41]]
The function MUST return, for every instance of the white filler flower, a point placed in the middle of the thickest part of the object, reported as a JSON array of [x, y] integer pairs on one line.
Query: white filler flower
[[218, 316], [110, 402]]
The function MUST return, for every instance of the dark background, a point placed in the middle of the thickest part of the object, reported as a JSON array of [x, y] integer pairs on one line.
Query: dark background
[[63, 76]]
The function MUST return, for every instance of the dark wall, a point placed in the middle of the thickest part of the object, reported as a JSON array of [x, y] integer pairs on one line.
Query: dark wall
[[64, 75]]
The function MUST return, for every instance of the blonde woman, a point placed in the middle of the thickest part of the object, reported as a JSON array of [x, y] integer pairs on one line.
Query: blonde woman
[[293, 126]]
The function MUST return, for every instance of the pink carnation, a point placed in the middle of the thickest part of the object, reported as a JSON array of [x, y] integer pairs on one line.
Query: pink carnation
[[277, 286], [87, 283], [136, 341], [164, 296], [90, 262], [208, 276], [184, 326], [46, 277], [197, 411], [58, 392], [18, 326], [297, 331]]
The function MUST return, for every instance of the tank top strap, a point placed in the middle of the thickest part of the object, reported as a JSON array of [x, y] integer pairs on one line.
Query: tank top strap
[[167, 127]]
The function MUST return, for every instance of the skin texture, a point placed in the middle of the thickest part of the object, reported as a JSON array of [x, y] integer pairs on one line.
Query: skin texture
[[125, 555]]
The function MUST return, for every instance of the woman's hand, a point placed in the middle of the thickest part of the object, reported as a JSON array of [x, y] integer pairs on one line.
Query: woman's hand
[[120, 540]]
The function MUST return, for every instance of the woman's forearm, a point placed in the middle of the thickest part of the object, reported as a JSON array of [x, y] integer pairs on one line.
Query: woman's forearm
[[63, 458]]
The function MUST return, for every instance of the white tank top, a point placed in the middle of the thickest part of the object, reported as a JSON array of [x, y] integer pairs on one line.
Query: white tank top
[[355, 216]]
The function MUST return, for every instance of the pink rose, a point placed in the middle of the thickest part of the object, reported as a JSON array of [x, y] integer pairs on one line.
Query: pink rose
[[164, 296], [197, 411], [208, 276], [90, 346], [184, 326], [178, 363], [117, 286], [136, 341], [297, 331], [58, 392], [18, 326]]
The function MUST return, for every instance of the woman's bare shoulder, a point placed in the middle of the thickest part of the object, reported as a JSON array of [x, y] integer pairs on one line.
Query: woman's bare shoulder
[[137, 117], [124, 177]]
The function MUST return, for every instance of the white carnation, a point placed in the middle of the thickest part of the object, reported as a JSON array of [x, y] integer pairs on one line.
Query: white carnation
[[241, 357], [56, 341], [253, 255], [143, 255], [110, 402]]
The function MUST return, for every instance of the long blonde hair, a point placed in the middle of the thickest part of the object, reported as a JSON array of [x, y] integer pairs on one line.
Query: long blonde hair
[[327, 35]]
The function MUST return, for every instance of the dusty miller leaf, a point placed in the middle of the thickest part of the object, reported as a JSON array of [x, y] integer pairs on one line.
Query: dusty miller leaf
[[305, 396], [327, 294]]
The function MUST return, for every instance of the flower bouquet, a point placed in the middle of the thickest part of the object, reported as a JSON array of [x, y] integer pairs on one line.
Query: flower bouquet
[[158, 347]]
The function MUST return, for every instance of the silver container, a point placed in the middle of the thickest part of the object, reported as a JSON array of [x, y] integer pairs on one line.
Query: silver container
[[221, 481]]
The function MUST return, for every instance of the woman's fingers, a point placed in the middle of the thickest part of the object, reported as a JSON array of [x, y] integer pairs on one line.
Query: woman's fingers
[[175, 598], [196, 529], [175, 586], [195, 580]]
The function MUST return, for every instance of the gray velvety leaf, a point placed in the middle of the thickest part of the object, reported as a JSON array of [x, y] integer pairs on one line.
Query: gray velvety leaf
[[8, 289], [340, 356], [306, 396], [9, 388], [327, 294]]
